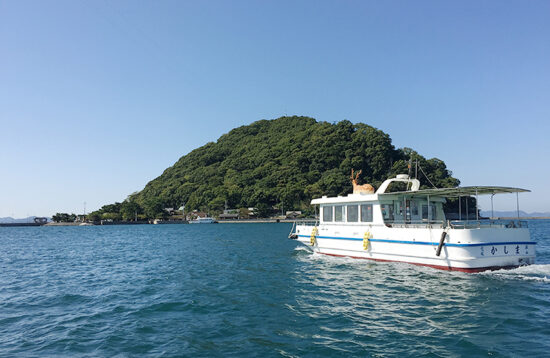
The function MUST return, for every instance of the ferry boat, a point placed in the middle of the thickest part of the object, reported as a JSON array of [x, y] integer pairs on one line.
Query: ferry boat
[[205, 220], [410, 226]]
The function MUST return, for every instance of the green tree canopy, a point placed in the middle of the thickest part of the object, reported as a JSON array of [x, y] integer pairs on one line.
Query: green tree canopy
[[64, 218], [288, 160]]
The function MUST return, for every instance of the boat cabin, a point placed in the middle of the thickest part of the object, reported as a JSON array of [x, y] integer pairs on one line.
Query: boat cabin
[[410, 207], [387, 210]]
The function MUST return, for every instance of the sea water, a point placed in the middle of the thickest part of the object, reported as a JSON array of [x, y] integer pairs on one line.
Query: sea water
[[246, 290]]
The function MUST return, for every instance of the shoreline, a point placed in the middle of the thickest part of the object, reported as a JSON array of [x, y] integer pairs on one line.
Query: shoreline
[[181, 222], [234, 221]]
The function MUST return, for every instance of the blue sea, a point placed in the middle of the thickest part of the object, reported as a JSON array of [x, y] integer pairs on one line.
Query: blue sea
[[240, 290]]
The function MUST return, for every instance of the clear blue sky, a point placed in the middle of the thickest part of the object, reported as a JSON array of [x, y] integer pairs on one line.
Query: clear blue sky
[[99, 97]]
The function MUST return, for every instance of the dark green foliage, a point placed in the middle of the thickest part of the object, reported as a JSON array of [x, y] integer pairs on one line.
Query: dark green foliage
[[94, 216], [64, 218], [263, 211], [154, 208], [288, 160], [107, 212], [130, 209]]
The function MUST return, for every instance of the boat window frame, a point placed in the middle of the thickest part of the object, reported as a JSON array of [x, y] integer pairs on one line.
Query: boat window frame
[[431, 211], [434, 216], [399, 208], [390, 208], [414, 207], [342, 213], [356, 213], [331, 211], [369, 217]]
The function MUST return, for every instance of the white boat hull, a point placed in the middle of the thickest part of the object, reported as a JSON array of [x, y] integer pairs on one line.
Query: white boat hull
[[470, 250]]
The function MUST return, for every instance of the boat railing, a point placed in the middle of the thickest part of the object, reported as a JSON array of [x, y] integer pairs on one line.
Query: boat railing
[[478, 224], [306, 223], [457, 224], [417, 224], [414, 224]]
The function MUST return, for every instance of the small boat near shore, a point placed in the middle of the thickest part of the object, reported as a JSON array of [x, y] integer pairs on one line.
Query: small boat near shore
[[410, 226], [206, 220]]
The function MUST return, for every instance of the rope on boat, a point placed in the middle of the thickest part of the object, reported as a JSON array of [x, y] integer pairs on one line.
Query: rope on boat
[[422, 170], [292, 234], [366, 238], [313, 234]]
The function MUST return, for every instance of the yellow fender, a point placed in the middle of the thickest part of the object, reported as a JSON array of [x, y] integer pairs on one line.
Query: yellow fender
[[366, 238], [313, 234]]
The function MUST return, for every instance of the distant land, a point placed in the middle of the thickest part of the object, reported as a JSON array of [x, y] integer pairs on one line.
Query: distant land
[[10, 220], [513, 214]]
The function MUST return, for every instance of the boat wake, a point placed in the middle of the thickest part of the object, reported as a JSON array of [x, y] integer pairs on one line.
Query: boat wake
[[537, 273], [334, 260], [540, 273], [302, 249]]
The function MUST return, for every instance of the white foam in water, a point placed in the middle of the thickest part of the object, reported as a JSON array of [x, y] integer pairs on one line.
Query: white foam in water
[[338, 260], [539, 273]]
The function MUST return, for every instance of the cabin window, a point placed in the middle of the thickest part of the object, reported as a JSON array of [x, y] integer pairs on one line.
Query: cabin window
[[366, 213], [432, 212], [338, 213], [387, 212], [414, 208], [399, 208], [327, 213], [353, 213]]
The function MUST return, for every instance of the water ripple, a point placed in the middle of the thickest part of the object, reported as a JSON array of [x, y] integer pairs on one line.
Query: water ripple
[[245, 290]]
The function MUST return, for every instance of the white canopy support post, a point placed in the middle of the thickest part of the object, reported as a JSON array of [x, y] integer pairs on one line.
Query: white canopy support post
[[492, 208], [429, 211], [477, 217], [459, 209], [517, 203], [467, 212]]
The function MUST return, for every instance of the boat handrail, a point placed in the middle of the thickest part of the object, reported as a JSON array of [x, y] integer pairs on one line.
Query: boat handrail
[[453, 224], [472, 224], [461, 224], [306, 223], [417, 224]]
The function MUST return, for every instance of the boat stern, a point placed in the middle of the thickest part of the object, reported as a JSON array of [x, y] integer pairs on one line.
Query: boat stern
[[490, 248]]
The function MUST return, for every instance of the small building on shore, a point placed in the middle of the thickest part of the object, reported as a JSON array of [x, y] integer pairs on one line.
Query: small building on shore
[[229, 214], [293, 214]]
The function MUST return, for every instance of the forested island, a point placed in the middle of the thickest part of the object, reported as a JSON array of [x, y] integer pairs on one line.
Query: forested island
[[271, 164]]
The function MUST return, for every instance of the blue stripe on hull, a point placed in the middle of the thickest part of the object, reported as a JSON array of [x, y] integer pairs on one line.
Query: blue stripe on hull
[[423, 242]]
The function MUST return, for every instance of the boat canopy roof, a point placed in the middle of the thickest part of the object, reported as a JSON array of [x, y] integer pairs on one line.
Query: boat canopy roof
[[460, 191]]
